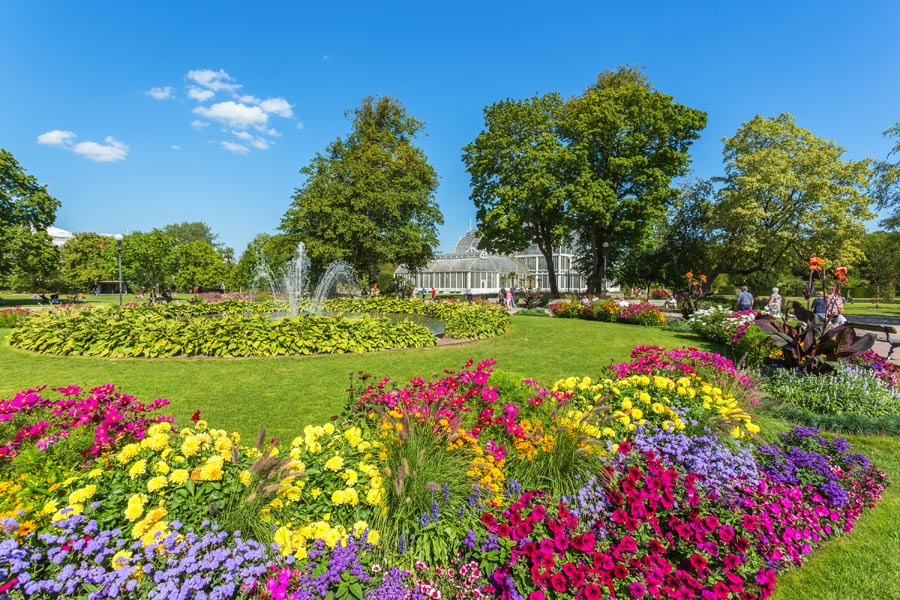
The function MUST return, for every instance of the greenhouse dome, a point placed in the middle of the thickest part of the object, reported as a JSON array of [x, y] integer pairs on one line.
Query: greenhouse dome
[[468, 268]]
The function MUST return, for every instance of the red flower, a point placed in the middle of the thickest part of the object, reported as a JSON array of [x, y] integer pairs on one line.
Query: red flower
[[503, 530], [489, 521], [536, 595], [196, 416], [591, 592], [538, 513], [620, 572], [698, 562], [558, 582]]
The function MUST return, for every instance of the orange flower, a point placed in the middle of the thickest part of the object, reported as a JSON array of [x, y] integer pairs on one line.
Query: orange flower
[[703, 278], [690, 274], [841, 273], [815, 263]]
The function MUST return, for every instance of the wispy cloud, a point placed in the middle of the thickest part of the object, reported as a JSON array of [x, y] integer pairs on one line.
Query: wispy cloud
[[111, 150], [236, 148], [247, 117], [176, 147], [200, 95], [162, 93], [57, 137], [234, 114], [214, 80]]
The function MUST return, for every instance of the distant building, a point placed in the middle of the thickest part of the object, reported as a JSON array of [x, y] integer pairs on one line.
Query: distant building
[[59, 236], [467, 267]]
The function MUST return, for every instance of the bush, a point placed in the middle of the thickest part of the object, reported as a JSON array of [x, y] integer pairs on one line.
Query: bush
[[13, 317], [641, 314], [843, 392], [565, 309], [144, 332]]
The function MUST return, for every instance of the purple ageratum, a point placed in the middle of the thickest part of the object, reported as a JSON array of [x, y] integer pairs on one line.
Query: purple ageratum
[[72, 563], [725, 466]]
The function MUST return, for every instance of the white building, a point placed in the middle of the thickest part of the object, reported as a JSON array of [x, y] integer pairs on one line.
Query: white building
[[467, 267]]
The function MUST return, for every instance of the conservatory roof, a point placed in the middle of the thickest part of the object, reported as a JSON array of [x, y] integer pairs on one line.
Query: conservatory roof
[[471, 262]]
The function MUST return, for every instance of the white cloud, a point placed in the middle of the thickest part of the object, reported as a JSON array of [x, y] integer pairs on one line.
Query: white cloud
[[176, 147], [214, 80], [278, 106], [300, 125], [199, 95], [57, 137], [162, 93], [236, 148], [112, 151], [246, 117], [234, 114]]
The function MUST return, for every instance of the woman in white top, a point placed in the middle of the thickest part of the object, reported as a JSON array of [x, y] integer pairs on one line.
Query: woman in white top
[[774, 304]]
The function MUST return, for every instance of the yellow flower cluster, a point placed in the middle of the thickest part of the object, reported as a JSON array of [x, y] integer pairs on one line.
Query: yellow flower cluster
[[349, 482], [296, 541], [656, 401]]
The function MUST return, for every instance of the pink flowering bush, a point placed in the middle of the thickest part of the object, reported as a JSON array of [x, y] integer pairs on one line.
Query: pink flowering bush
[[82, 424], [13, 317], [642, 313]]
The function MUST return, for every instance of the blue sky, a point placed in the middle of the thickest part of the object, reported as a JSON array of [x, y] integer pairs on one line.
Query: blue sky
[[137, 115]]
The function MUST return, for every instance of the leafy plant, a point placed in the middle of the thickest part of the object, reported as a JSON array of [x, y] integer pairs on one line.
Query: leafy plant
[[810, 345]]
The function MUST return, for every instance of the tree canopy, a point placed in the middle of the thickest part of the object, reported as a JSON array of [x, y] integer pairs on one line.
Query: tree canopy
[[369, 199], [785, 195], [632, 141], [522, 178], [886, 184], [26, 210]]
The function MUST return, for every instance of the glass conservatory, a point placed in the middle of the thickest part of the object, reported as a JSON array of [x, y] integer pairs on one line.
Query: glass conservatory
[[467, 267]]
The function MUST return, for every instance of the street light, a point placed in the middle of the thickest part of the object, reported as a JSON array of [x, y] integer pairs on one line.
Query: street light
[[119, 237], [605, 248]]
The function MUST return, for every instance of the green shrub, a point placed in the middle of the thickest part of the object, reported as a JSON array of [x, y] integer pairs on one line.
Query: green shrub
[[129, 332], [13, 317], [754, 347], [842, 392], [462, 320]]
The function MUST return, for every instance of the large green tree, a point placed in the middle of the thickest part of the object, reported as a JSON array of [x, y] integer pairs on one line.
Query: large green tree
[[886, 183], [786, 194], [26, 210], [369, 198], [148, 259], [632, 141], [523, 175], [272, 250], [881, 267], [87, 259], [199, 263]]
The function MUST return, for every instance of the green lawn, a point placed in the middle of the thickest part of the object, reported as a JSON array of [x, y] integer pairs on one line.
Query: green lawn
[[284, 394]]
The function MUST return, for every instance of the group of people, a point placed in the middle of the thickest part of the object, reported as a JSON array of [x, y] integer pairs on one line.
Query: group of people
[[507, 297], [830, 308]]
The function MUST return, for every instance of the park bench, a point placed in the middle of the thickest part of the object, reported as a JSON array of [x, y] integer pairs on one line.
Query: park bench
[[887, 330]]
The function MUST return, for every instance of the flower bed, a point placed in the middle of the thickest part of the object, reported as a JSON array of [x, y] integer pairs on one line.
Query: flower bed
[[651, 482], [634, 314]]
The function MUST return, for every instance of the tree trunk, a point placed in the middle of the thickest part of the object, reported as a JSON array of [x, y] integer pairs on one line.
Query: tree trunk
[[551, 268]]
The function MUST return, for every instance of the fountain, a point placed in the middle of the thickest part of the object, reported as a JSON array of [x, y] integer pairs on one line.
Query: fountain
[[290, 284]]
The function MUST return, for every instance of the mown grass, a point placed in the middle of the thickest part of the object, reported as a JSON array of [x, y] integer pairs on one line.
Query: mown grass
[[284, 394]]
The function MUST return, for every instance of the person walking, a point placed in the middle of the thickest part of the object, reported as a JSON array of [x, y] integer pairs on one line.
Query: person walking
[[433, 294], [501, 297], [744, 299], [819, 308], [774, 304], [834, 311], [509, 299]]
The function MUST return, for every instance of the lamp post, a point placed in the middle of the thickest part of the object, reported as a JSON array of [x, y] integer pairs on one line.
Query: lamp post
[[605, 249], [118, 237]]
